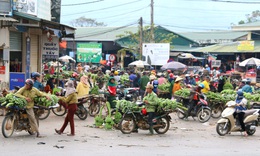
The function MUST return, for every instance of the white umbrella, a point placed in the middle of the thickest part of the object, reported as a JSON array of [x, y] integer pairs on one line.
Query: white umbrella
[[250, 61], [186, 56], [66, 58], [139, 64], [173, 66]]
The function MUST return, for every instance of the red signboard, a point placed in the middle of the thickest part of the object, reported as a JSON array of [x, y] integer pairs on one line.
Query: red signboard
[[2, 69]]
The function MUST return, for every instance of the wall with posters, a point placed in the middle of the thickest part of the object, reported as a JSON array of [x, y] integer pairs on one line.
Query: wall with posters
[[156, 53], [50, 47], [89, 52], [26, 6]]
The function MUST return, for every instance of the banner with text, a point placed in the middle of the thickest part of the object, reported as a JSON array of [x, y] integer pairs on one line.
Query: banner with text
[[89, 52], [16, 79], [50, 47], [156, 53]]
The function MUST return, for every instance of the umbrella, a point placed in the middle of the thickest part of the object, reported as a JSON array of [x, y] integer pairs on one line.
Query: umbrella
[[139, 64], [66, 58], [250, 61], [186, 56], [173, 66]]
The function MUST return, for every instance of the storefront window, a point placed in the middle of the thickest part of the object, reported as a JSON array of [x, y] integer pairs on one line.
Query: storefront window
[[15, 61]]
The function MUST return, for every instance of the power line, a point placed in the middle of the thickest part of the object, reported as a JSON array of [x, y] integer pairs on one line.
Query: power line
[[124, 13], [236, 2], [103, 8], [81, 3], [107, 31]]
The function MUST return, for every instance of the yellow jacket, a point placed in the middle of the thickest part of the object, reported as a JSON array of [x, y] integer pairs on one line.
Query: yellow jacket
[[206, 87], [82, 89], [33, 93], [70, 99]]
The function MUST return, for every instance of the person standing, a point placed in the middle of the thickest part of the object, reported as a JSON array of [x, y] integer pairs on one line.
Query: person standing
[[177, 85], [206, 85], [132, 77], [28, 92], [151, 102], [111, 88], [83, 86], [70, 102], [162, 80], [143, 82]]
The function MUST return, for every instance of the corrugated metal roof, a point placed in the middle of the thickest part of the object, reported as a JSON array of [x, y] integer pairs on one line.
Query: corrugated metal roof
[[214, 35], [7, 19], [253, 24], [101, 33], [227, 48]]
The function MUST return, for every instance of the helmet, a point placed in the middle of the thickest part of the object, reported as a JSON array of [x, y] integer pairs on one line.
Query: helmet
[[169, 71], [74, 74], [116, 72], [240, 92], [201, 85], [171, 75], [35, 74], [29, 82]]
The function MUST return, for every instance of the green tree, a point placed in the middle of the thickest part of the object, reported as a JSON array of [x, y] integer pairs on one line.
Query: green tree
[[253, 17], [86, 22], [132, 40]]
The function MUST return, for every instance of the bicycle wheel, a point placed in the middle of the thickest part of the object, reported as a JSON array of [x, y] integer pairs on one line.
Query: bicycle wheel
[[43, 113]]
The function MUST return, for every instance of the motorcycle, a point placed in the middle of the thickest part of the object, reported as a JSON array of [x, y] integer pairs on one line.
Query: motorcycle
[[81, 112], [16, 119], [201, 110], [228, 123], [132, 120]]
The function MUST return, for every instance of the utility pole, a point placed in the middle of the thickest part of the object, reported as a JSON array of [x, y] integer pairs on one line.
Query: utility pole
[[141, 38], [152, 24]]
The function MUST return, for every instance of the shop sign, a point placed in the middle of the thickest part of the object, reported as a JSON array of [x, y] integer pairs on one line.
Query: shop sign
[[28, 56], [215, 63], [156, 53], [246, 46], [26, 6], [2, 69], [50, 45], [89, 52], [16, 79]]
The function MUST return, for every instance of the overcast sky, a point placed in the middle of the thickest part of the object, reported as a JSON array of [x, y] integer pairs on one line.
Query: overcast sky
[[177, 15]]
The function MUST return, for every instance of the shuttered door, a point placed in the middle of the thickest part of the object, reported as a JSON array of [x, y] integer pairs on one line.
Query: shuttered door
[[15, 41], [34, 52]]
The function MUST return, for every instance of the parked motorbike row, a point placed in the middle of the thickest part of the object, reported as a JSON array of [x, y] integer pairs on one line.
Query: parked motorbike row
[[16, 119]]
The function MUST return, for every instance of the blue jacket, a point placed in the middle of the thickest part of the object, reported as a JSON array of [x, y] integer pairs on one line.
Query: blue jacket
[[38, 85], [247, 88]]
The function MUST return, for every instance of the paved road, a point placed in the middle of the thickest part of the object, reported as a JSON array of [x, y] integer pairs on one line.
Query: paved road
[[183, 138]]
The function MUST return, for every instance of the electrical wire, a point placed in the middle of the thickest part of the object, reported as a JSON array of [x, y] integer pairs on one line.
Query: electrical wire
[[103, 8], [236, 2], [82, 3], [107, 31]]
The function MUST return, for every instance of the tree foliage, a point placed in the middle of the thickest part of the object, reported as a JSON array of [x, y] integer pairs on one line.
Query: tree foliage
[[86, 22], [253, 17], [133, 39]]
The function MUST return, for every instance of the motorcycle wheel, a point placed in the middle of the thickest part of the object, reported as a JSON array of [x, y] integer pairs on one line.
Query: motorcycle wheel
[[204, 116], [165, 125], [43, 113], [82, 113], [59, 111], [216, 111], [180, 114], [127, 125], [221, 130], [8, 126], [250, 131], [94, 108]]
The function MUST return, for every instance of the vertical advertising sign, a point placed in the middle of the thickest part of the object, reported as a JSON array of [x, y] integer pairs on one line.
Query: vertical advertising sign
[[28, 52], [89, 52], [50, 47], [55, 10], [156, 53]]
